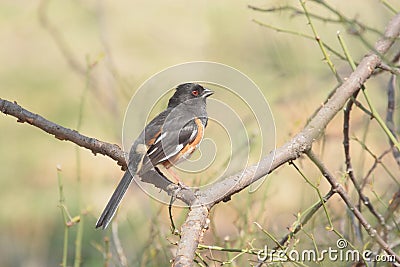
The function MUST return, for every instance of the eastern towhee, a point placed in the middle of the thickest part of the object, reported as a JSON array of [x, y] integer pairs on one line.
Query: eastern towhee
[[169, 138]]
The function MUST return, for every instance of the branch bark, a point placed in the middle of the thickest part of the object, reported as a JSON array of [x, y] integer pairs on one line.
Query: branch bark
[[299, 144], [62, 133]]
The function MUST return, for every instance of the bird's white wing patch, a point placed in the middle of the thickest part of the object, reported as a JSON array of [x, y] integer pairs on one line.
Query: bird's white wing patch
[[177, 150], [152, 151], [160, 137], [193, 135]]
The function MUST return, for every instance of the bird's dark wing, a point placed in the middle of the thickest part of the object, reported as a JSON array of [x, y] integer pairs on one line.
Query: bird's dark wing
[[171, 140]]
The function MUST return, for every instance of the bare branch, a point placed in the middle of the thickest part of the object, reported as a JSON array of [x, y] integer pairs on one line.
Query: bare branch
[[306, 218], [62, 133], [300, 143], [346, 146], [349, 168], [337, 187], [197, 221], [59, 39], [389, 116]]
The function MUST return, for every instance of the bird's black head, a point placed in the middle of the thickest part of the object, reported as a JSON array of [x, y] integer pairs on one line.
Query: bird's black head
[[187, 92]]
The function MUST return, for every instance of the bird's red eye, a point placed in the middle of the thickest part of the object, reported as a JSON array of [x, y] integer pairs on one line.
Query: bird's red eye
[[195, 92]]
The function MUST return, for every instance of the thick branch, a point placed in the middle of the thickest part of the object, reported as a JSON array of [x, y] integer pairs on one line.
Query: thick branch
[[303, 140], [62, 133], [197, 221], [301, 143]]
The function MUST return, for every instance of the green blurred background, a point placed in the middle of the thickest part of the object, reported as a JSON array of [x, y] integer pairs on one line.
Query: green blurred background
[[126, 42]]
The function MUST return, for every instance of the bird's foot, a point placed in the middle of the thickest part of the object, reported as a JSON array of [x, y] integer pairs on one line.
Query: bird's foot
[[183, 186]]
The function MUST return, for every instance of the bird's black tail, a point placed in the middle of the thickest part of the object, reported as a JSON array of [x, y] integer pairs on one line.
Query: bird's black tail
[[114, 201]]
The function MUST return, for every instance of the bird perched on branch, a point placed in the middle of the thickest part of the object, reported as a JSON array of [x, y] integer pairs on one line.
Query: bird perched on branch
[[172, 136]]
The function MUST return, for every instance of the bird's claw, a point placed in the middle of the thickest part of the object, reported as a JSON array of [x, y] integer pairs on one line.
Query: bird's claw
[[183, 186]]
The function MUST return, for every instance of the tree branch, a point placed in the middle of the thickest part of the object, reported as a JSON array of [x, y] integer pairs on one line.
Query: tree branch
[[391, 105], [96, 146], [337, 187], [299, 144]]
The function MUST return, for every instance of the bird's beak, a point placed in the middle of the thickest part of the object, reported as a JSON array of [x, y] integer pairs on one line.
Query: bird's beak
[[207, 92]]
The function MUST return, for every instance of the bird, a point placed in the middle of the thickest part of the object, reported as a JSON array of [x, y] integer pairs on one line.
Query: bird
[[171, 137]]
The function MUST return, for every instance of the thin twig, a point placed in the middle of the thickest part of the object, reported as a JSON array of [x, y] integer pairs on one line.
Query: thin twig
[[65, 218], [304, 219], [388, 6], [389, 116], [378, 160], [349, 169], [320, 43], [337, 187], [171, 219], [346, 146], [118, 246], [59, 39], [340, 20], [107, 254], [306, 36]]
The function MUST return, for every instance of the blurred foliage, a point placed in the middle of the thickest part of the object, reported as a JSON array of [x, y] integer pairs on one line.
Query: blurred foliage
[[124, 43]]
